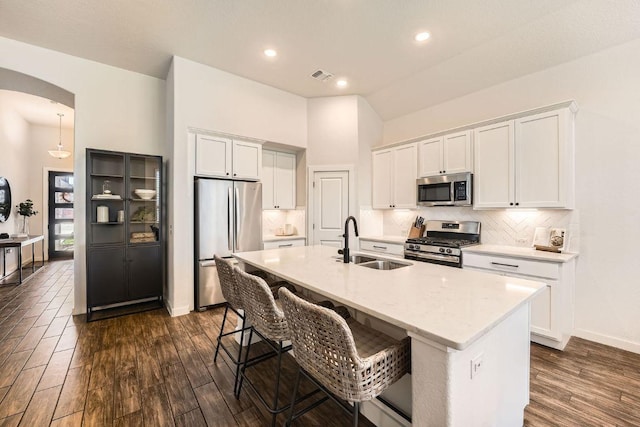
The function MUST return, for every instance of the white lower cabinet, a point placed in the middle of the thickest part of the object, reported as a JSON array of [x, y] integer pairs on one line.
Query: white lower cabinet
[[551, 310], [385, 248], [284, 243]]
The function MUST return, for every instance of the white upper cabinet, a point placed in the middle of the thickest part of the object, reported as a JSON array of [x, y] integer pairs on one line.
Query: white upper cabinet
[[278, 180], [445, 154], [226, 158], [525, 162], [247, 160], [213, 156], [493, 181], [430, 160], [394, 177]]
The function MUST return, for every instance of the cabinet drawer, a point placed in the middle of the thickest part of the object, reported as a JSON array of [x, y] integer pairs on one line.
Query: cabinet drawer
[[384, 248], [284, 244], [512, 265]]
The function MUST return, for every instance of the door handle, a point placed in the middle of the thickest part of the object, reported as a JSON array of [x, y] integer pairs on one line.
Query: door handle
[[237, 210], [229, 230]]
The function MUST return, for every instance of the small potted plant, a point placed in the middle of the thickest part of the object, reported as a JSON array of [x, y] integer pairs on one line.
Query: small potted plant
[[25, 209]]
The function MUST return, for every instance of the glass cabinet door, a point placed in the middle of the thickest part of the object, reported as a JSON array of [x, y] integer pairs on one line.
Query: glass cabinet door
[[144, 212], [106, 195]]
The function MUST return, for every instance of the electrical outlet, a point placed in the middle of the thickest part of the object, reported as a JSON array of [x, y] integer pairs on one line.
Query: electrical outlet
[[476, 365], [521, 240]]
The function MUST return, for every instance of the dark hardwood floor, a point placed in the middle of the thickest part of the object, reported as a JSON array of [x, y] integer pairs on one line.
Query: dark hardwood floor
[[151, 369]]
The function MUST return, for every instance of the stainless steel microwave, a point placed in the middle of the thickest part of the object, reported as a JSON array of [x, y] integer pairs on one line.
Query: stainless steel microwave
[[445, 190]]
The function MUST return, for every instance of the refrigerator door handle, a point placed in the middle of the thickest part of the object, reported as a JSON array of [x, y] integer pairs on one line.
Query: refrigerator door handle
[[229, 229], [236, 220]]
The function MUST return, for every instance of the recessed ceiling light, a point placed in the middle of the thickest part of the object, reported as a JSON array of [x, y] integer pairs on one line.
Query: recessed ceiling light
[[270, 53], [341, 83], [420, 37]]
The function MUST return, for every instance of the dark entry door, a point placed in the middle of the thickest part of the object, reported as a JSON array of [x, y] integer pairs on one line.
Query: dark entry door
[[60, 215]]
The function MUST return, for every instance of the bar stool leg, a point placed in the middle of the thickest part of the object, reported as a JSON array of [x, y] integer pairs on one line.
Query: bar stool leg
[[235, 386], [244, 366], [224, 319], [356, 413], [275, 398], [293, 397]]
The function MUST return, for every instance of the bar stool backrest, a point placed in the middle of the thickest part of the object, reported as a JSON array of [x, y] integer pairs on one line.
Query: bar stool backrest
[[324, 347], [260, 306], [228, 282]]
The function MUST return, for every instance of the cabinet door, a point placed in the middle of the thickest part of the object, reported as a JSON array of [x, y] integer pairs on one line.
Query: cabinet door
[[382, 179], [285, 181], [430, 152], [457, 152], [268, 179], [405, 173], [213, 156], [247, 159], [541, 162], [543, 312], [106, 279], [145, 271], [494, 174]]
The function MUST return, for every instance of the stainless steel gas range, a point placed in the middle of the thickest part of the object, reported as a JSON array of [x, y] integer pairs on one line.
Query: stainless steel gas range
[[442, 242]]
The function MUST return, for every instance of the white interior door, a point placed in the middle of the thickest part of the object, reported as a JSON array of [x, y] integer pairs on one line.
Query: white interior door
[[330, 207]]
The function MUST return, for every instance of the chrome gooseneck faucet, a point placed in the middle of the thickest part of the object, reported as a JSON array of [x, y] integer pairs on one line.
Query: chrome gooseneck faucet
[[345, 250]]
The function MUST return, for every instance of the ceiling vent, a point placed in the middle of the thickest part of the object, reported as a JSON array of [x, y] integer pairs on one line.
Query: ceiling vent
[[322, 75]]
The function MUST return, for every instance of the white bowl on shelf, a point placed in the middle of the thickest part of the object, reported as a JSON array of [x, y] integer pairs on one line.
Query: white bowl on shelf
[[145, 194]]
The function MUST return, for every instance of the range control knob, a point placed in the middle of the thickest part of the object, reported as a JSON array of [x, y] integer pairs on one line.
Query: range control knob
[[441, 250], [448, 251]]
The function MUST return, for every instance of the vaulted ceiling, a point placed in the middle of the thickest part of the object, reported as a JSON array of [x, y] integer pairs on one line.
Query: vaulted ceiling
[[474, 43]]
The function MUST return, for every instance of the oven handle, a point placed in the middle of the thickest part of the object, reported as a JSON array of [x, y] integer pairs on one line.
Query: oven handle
[[437, 257]]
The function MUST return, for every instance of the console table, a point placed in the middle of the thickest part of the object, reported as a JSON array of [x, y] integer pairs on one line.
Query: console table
[[20, 243]]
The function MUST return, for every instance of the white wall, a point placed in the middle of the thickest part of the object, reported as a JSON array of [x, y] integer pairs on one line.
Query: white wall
[[333, 131], [210, 99], [606, 87], [115, 109], [14, 146]]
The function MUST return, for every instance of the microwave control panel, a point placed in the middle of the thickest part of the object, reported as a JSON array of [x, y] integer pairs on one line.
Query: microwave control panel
[[460, 190]]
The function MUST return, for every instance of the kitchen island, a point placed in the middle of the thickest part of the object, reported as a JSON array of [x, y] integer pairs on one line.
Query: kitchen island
[[469, 331]]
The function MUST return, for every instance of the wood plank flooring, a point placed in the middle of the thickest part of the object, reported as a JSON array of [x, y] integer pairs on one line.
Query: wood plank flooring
[[149, 369]]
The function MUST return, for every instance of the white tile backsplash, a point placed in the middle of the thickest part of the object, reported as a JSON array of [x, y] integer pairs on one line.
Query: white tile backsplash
[[274, 219], [514, 227]]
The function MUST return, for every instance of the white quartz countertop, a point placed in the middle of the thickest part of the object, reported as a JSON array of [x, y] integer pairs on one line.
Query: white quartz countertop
[[385, 239], [451, 306], [520, 252], [274, 238]]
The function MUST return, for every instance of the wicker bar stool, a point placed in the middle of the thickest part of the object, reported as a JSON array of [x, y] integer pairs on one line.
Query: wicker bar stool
[[229, 287], [350, 362], [268, 322]]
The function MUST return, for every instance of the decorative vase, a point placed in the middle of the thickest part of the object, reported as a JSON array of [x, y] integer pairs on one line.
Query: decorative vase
[[23, 226]]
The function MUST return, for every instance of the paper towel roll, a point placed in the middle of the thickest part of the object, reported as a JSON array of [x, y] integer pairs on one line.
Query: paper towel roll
[[103, 214]]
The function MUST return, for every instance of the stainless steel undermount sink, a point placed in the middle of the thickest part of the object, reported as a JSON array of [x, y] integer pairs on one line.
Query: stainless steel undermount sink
[[375, 263], [357, 259], [380, 264]]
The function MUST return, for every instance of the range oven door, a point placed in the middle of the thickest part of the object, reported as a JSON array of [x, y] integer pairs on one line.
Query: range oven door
[[433, 258]]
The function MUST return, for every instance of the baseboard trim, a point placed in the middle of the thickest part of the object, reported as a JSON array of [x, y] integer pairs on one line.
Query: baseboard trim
[[178, 311], [631, 346]]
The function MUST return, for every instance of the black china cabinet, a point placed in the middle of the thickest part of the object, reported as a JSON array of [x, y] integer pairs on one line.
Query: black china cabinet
[[125, 262]]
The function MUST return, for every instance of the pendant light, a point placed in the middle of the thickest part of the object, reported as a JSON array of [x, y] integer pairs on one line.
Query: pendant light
[[59, 153]]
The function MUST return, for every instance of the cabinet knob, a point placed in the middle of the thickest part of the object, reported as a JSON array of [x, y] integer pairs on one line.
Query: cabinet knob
[[511, 204], [227, 173], [517, 204], [235, 174]]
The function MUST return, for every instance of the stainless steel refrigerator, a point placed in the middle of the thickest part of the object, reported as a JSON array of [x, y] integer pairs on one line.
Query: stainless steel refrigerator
[[228, 219]]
